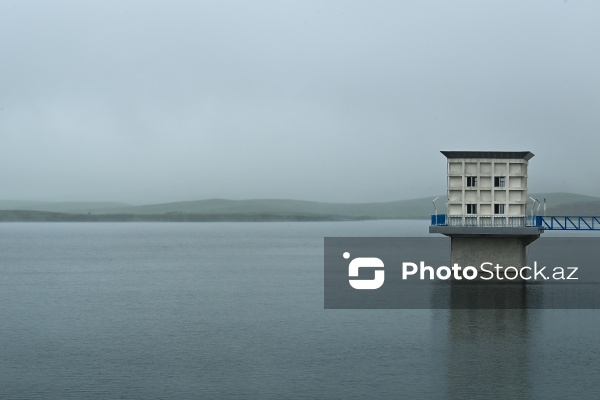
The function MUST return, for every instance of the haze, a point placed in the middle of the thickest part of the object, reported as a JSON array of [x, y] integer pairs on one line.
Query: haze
[[344, 101]]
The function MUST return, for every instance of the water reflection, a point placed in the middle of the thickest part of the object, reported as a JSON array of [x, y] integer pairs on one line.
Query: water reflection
[[489, 336]]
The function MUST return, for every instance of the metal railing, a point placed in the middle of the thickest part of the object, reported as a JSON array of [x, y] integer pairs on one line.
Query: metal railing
[[480, 220], [568, 223], [563, 223]]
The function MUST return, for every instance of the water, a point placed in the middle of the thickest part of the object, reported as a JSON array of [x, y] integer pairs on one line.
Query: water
[[235, 311]]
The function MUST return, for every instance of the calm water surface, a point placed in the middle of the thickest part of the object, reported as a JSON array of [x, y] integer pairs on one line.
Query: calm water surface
[[235, 311]]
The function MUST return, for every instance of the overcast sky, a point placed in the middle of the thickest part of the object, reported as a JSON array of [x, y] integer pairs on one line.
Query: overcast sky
[[348, 101]]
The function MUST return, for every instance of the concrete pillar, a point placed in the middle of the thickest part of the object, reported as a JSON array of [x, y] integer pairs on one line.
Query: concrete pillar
[[506, 251]]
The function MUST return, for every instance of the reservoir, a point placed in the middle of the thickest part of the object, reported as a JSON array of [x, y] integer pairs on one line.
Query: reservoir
[[235, 311]]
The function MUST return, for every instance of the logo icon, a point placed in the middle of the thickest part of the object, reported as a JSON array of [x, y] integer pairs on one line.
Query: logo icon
[[365, 262]]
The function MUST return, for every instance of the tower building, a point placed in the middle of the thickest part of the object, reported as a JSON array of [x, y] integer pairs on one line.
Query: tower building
[[487, 201]]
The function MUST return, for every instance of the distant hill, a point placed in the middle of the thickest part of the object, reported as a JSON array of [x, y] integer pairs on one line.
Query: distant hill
[[416, 208], [569, 204], [59, 206], [46, 216], [269, 209]]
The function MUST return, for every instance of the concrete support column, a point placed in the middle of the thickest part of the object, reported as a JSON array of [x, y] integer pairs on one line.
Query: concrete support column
[[506, 251]]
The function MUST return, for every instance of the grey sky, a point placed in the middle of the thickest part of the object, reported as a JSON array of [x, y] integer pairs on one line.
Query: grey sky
[[152, 101]]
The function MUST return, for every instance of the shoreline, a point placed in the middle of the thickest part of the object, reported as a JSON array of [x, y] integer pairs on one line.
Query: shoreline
[[46, 216]]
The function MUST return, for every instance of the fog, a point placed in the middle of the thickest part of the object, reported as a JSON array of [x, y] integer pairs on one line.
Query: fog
[[346, 101]]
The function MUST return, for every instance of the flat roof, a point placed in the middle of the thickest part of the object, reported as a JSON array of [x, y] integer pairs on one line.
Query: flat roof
[[525, 155]]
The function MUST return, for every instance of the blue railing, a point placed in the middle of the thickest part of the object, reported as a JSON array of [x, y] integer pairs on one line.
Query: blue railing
[[547, 223], [568, 223], [438, 220]]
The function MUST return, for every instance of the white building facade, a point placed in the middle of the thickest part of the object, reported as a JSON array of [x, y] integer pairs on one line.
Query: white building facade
[[487, 188]]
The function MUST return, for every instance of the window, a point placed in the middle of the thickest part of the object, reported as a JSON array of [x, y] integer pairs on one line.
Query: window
[[499, 181], [471, 208], [498, 208], [471, 181]]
